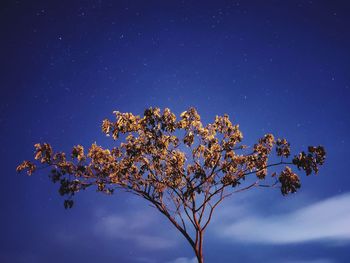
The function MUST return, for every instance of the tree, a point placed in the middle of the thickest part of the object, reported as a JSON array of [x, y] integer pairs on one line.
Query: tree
[[184, 169]]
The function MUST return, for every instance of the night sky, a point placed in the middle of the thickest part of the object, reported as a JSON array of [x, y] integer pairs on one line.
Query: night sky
[[278, 67]]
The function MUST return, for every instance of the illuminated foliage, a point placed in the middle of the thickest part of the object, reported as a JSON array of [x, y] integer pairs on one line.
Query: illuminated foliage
[[185, 169]]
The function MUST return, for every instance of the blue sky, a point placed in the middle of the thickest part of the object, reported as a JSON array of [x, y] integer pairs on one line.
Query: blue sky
[[278, 67]]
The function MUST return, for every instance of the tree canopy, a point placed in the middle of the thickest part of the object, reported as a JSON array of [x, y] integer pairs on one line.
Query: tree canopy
[[182, 167]]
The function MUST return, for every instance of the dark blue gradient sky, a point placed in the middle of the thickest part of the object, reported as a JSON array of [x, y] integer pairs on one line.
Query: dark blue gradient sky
[[273, 66]]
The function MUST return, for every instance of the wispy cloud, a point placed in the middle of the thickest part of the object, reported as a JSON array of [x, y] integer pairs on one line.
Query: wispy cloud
[[135, 227], [145, 260], [184, 260], [321, 260], [325, 220]]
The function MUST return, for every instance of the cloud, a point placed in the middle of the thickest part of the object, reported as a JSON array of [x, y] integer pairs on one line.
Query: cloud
[[135, 227], [325, 220], [153, 242], [184, 260], [322, 260], [145, 260]]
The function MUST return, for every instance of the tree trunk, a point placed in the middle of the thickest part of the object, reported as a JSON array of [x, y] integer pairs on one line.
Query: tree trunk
[[199, 247], [199, 255]]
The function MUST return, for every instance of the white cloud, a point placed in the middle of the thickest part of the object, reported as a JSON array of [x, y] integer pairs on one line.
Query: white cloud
[[153, 242], [322, 260], [145, 260], [133, 227], [184, 260], [325, 220]]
